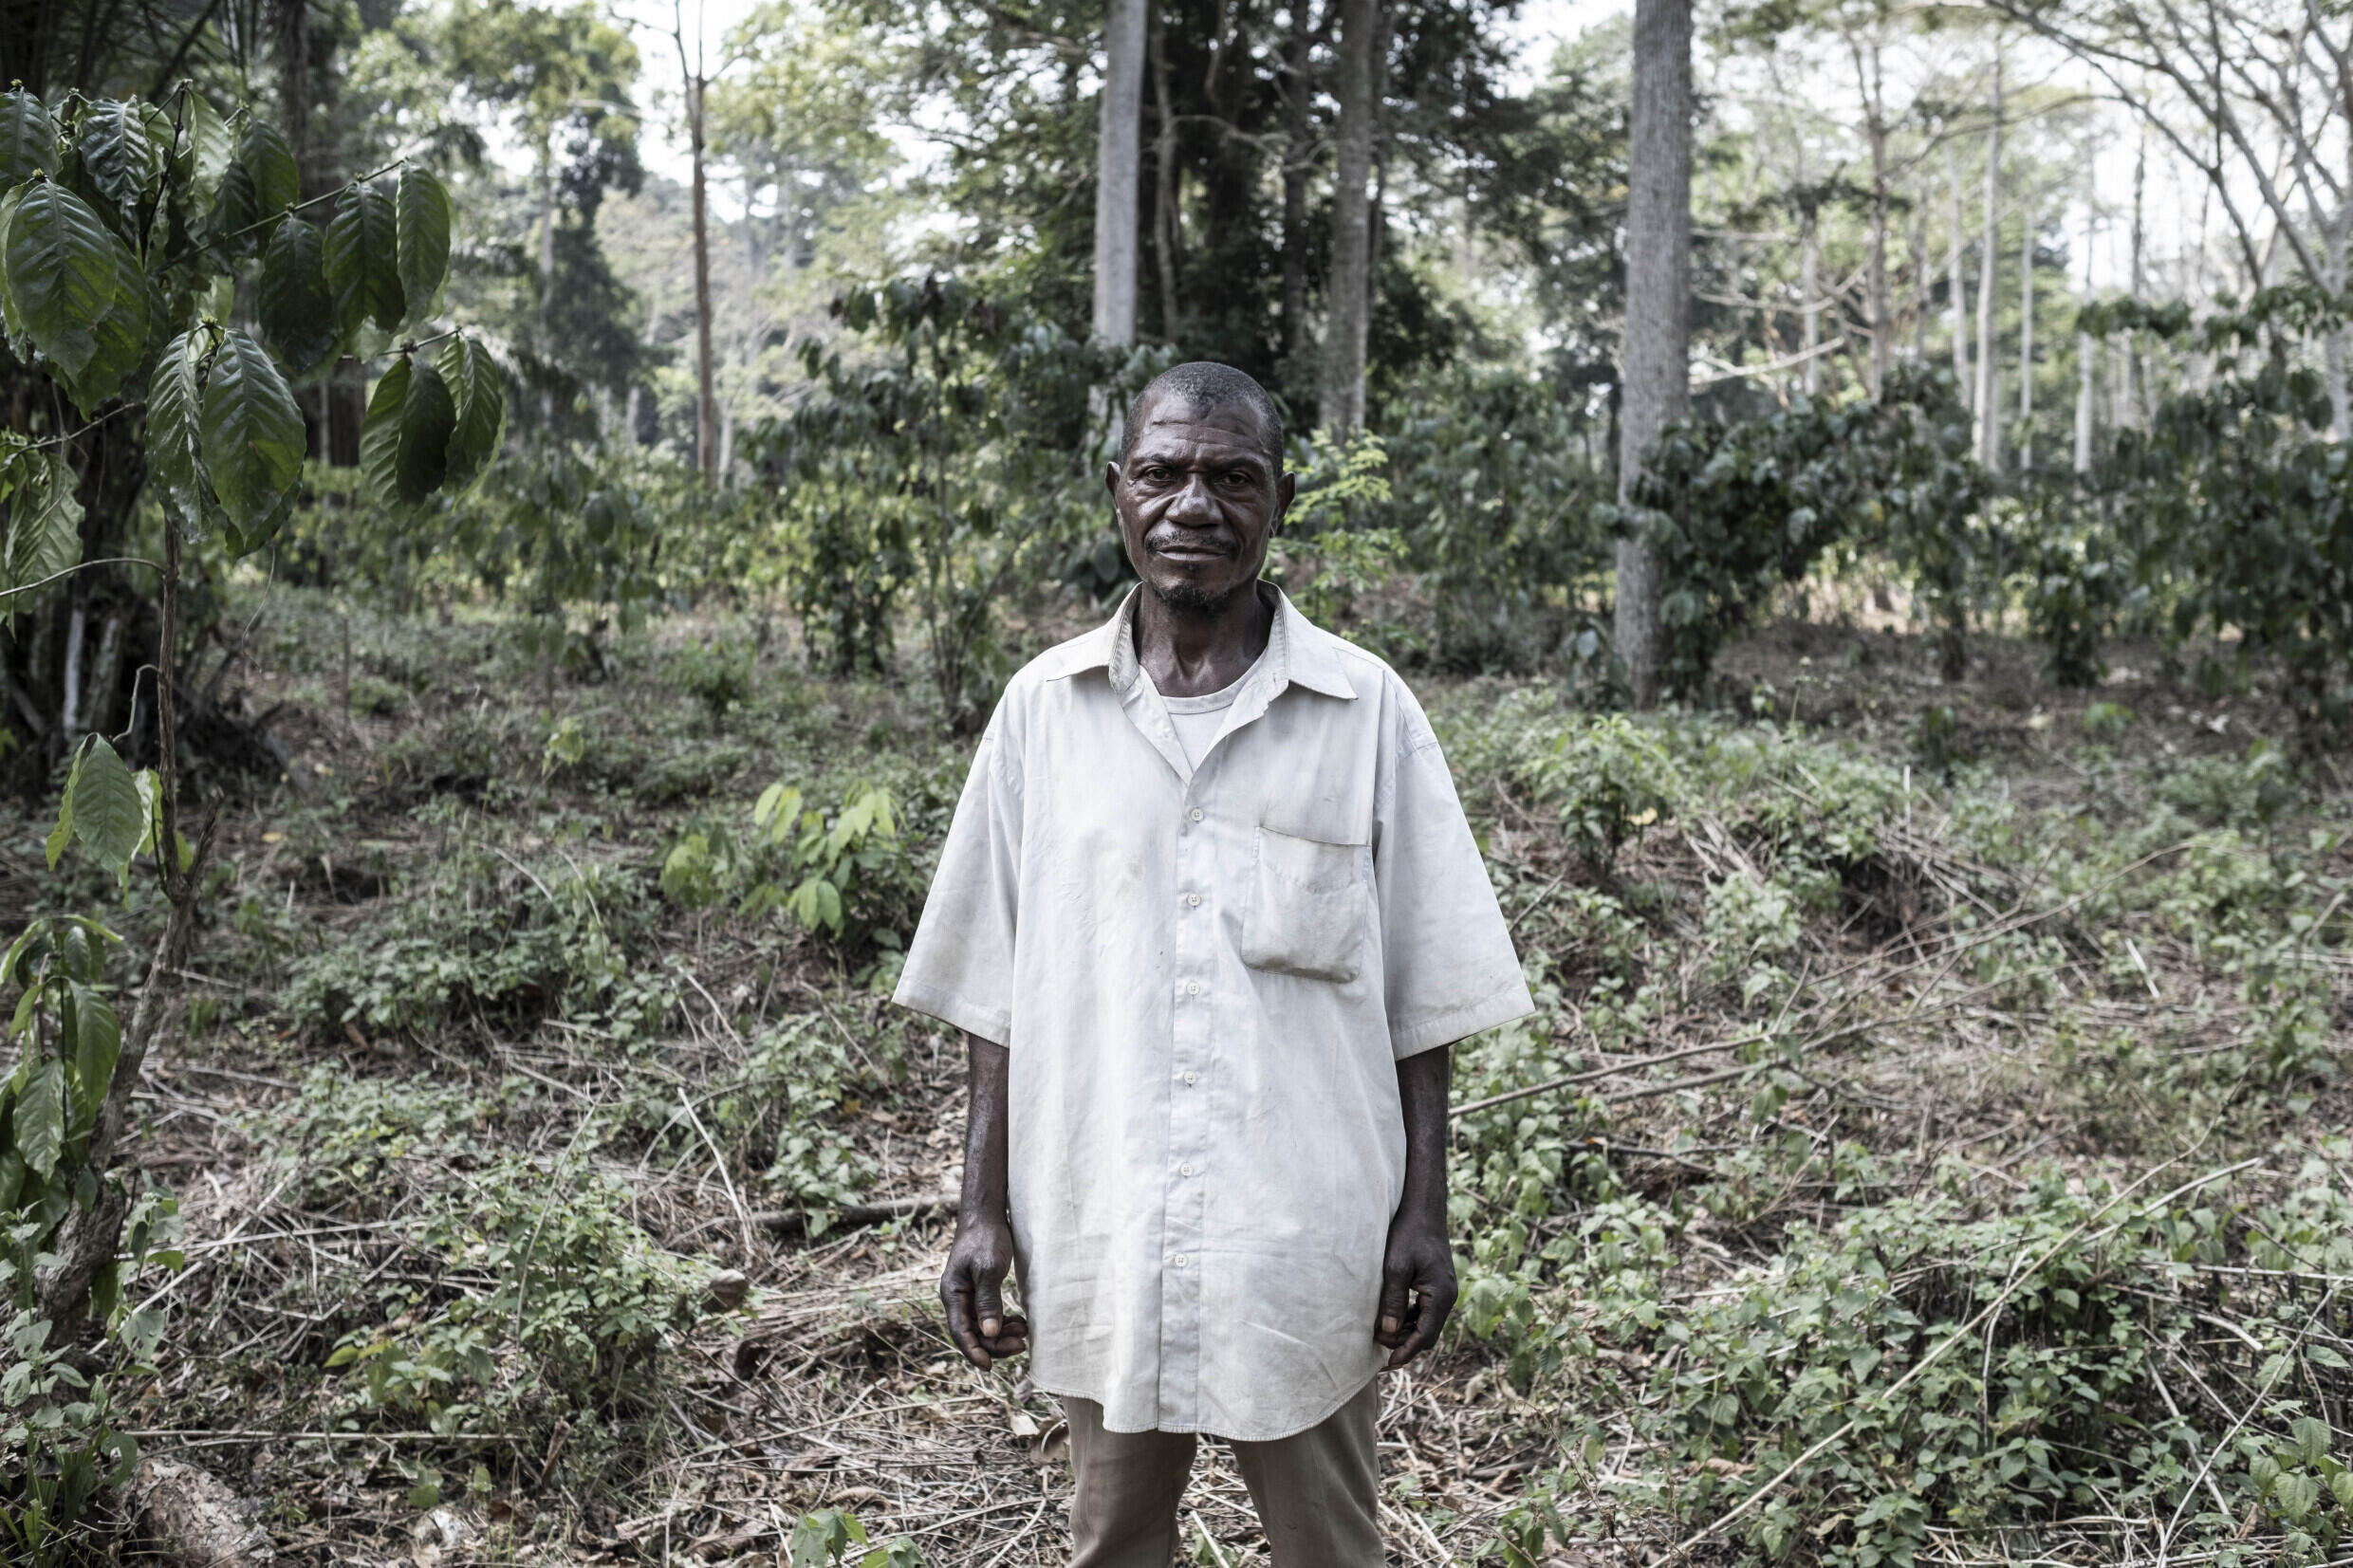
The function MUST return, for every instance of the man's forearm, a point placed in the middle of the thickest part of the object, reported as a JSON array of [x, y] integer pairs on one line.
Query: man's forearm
[[1424, 1081], [984, 1197]]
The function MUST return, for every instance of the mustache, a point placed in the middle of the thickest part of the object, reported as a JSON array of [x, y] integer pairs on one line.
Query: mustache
[[1162, 540]]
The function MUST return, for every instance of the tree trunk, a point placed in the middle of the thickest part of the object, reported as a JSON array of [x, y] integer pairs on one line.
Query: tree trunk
[[1989, 432], [706, 392], [2129, 373], [1119, 170], [1923, 278], [1956, 283], [2084, 354], [1298, 162], [1809, 288], [1875, 129], [1165, 234], [1657, 372], [2026, 341], [1348, 290]]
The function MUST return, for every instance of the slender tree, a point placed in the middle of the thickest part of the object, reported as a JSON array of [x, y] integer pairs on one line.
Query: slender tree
[[1657, 372], [706, 392], [1957, 280], [1119, 170], [2026, 340], [1989, 432], [1349, 291], [2083, 349]]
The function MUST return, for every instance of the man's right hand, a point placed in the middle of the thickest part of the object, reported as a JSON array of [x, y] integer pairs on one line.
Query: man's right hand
[[972, 1290]]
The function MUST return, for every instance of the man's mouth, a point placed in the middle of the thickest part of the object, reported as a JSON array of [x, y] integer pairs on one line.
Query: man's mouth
[[1186, 549]]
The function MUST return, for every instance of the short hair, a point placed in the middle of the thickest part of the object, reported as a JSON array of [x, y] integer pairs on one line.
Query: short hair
[[1205, 383]]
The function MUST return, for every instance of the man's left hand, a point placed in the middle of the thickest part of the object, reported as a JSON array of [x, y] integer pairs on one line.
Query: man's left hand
[[1416, 1286]]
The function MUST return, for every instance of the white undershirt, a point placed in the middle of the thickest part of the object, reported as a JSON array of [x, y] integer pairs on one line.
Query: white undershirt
[[1199, 719]]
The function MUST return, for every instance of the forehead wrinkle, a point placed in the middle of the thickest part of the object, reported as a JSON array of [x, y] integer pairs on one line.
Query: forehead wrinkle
[[1196, 446]]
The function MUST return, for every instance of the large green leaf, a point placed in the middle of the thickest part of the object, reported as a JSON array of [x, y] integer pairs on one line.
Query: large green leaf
[[234, 212], [174, 418], [206, 148], [118, 151], [481, 401], [98, 1042], [109, 816], [363, 259], [40, 1120], [269, 163], [27, 138], [250, 433], [424, 224], [45, 524], [404, 445], [62, 271], [297, 308], [121, 336]]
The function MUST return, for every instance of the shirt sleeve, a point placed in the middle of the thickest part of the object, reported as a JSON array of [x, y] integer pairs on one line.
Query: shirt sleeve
[[959, 968], [1449, 966]]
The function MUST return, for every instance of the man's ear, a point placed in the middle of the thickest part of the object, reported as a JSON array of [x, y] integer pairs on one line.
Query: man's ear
[[1284, 489]]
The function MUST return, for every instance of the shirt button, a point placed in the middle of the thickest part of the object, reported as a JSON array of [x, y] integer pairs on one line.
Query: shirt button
[[1193, 987], [1185, 1170], [1192, 899], [1192, 1077], [1178, 1260], [1194, 814]]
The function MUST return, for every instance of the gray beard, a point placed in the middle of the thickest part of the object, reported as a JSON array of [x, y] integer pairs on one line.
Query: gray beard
[[1189, 602]]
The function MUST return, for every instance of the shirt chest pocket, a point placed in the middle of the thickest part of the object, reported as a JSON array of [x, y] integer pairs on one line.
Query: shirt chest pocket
[[1307, 908]]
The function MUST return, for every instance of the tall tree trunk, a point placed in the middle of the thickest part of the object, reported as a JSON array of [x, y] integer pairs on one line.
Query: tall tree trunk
[[1119, 172], [1956, 283], [2332, 341], [706, 391], [1348, 289], [1989, 432], [1809, 289], [1656, 373], [2026, 340], [1875, 129], [1298, 162], [2084, 353], [1922, 279], [2129, 373], [1165, 232]]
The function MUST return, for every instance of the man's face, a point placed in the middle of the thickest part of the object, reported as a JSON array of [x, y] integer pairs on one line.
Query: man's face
[[1199, 499]]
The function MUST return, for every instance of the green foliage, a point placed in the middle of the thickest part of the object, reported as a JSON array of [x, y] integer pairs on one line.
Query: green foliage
[[577, 1305], [1607, 775], [844, 874], [97, 293], [1736, 509], [488, 937], [716, 672], [59, 1443], [930, 469], [830, 1537]]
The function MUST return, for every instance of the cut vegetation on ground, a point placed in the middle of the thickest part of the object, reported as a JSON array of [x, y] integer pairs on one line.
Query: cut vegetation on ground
[[1930, 1147]]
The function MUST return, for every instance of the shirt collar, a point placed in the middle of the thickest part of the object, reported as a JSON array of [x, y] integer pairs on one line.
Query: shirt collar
[[1298, 653]]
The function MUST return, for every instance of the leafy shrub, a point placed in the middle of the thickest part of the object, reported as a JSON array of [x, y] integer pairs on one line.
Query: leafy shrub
[[1735, 510], [830, 1537], [578, 1305], [2053, 1402], [844, 874], [2246, 792], [490, 937], [1607, 775], [716, 672]]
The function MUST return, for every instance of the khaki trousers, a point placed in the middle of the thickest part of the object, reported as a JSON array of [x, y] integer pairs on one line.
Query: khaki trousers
[[1317, 1491]]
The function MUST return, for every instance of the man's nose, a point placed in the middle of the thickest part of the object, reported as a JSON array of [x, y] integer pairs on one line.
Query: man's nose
[[1194, 505]]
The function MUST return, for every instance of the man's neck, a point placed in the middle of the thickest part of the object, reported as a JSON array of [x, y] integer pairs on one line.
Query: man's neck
[[1192, 653]]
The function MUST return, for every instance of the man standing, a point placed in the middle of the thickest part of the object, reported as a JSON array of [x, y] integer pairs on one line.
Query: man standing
[[1209, 915]]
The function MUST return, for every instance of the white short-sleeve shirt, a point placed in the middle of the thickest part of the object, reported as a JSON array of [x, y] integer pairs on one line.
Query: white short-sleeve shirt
[[1204, 977]]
